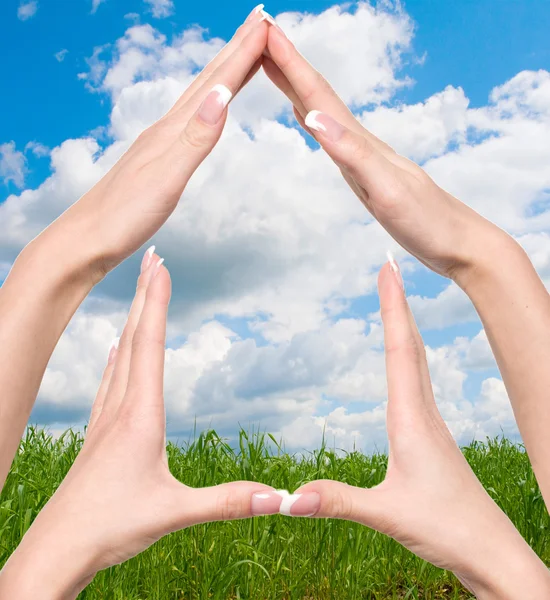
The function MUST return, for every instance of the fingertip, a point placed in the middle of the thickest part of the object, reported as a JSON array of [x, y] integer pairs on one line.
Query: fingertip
[[160, 287], [390, 280]]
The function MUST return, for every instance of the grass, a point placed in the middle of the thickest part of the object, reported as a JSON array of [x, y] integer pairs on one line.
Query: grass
[[271, 557]]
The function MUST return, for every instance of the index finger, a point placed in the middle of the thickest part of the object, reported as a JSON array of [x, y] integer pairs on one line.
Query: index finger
[[305, 87], [312, 89], [409, 385], [251, 21]]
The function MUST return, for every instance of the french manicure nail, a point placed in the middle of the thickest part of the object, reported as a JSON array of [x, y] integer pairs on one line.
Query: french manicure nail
[[153, 270], [214, 104], [396, 270], [299, 505], [255, 11], [265, 503], [325, 125], [113, 350], [147, 259], [265, 16]]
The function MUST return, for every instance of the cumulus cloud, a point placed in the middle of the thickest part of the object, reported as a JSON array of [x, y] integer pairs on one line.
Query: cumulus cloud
[[27, 10], [269, 237]]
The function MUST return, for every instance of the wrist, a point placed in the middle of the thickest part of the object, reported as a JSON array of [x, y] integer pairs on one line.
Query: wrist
[[61, 256], [487, 247], [39, 572], [507, 574]]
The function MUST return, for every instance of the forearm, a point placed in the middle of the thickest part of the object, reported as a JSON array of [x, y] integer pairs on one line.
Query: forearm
[[518, 576], [47, 283], [514, 307], [45, 568]]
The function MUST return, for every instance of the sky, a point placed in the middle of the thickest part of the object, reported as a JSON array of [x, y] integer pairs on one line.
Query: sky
[[462, 88]]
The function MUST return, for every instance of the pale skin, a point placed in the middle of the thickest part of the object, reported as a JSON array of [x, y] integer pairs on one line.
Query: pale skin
[[58, 269], [445, 235], [429, 488], [431, 501], [119, 496]]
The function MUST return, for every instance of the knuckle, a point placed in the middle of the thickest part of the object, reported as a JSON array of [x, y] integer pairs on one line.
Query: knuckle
[[408, 349], [195, 138], [230, 506], [145, 341], [339, 505], [318, 85]]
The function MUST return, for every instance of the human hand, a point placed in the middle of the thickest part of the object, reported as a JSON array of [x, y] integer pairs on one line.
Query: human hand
[[119, 497], [57, 270], [431, 501], [442, 232], [133, 200]]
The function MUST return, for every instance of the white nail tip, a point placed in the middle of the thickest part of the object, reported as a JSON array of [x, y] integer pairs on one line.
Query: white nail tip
[[262, 496], [288, 502], [160, 263], [393, 263], [312, 122], [114, 344], [267, 17], [224, 94], [259, 8]]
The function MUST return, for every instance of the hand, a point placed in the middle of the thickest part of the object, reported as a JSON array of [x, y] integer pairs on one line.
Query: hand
[[119, 496], [56, 271], [142, 190], [431, 501], [444, 234]]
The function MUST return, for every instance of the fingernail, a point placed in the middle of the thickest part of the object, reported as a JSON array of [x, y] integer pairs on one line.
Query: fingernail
[[214, 104], [265, 16], [265, 503], [147, 259], [154, 269], [113, 350], [298, 505], [396, 270], [255, 11], [325, 125]]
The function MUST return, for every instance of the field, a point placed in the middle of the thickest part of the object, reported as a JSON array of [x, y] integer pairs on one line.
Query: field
[[271, 557]]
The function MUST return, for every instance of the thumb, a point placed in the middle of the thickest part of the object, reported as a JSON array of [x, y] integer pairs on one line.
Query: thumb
[[354, 153], [342, 501], [203, 130], [239, 500]]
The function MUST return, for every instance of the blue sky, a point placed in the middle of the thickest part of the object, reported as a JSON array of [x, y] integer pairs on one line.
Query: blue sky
[[473, 45]]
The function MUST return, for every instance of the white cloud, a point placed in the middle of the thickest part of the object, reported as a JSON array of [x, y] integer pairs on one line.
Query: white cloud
[[13, 165], [160, 8], [27, 10], [421, 131], [60, 56], [38, 149], [95, 5], [269, 236]]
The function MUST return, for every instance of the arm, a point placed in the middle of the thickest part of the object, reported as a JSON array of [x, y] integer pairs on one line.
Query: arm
[[58, 269], [445, 235], [119, 496], [431, 501], [514, 307]]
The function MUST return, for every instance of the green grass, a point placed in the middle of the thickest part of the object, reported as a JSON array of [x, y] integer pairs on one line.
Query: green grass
[[271, 557]]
